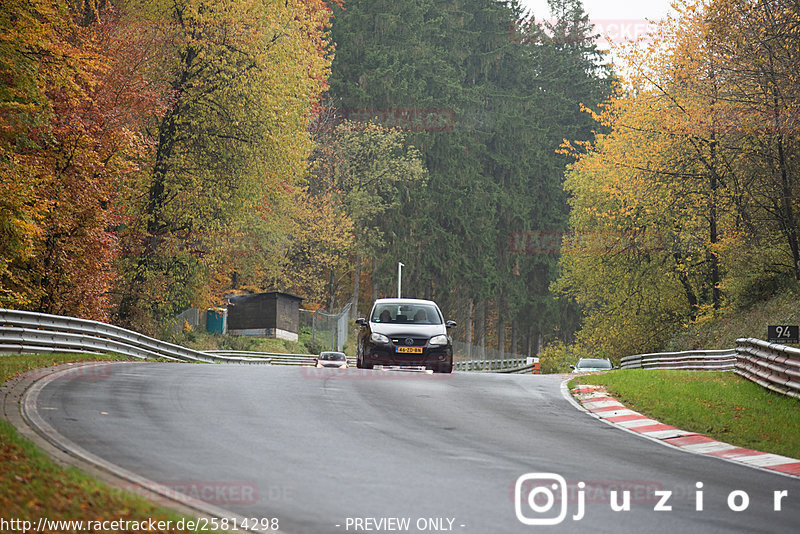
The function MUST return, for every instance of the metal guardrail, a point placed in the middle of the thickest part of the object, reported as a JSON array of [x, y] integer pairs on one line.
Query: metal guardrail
[[708, 360], [502, 366], [30, 332], [273, 358], [773, 366], [525, 369], [492, 365]]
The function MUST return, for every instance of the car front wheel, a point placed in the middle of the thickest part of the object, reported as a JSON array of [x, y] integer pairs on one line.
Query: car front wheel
[[445, 368], [360, 360]]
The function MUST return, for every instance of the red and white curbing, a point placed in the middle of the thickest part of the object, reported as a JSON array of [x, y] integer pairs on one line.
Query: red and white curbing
[[596, 400]]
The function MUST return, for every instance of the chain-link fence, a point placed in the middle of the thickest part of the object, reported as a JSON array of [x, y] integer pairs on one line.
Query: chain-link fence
[[328, 330], [192, 319]]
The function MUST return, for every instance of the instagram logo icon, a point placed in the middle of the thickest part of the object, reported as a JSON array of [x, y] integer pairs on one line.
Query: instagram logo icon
[[541, 499]]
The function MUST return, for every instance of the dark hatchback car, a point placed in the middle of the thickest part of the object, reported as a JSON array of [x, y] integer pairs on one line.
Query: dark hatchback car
[[405, 332]]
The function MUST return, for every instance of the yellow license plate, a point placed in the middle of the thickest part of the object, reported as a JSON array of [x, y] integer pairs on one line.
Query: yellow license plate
[[410, 350]]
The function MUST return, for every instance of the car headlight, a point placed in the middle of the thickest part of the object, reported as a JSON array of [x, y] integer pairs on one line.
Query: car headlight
[[378, 338], [438, 340]]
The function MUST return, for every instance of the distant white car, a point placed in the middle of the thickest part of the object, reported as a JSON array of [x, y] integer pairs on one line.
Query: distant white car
[[336, 360], [587, 365]]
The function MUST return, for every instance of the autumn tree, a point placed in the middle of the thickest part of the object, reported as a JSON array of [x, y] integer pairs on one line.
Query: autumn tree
[[368, 171], [757, 46], [67, 145], [691, 198], [230, 150], [319, 252]]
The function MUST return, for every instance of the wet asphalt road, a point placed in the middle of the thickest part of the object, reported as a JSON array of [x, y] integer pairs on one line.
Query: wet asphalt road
[[328, 451]]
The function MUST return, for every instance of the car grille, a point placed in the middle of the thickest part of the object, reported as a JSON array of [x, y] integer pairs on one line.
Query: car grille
[[409, 341]]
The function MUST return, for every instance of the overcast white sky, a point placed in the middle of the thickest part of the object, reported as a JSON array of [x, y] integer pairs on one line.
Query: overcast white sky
[[609, 9], [616, 21]]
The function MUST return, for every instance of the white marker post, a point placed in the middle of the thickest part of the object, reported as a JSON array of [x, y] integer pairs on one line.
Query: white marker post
[[399, 279]]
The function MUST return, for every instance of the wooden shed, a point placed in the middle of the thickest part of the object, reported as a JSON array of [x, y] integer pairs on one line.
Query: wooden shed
[[272, 314]]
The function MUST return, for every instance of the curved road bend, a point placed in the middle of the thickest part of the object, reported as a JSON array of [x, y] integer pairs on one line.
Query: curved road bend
[[328, 451]]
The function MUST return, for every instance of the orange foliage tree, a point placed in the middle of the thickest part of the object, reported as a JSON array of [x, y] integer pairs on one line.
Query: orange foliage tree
[[150, 151], [66, 146]]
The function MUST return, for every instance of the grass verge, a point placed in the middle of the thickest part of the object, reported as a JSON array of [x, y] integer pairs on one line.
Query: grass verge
[[722, 405], [33, 487]]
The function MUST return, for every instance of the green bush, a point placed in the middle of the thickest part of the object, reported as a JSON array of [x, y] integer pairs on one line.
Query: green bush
[[557, 357]]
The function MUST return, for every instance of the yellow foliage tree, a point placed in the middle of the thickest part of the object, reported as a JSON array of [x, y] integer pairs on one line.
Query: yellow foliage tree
[[689, 179]]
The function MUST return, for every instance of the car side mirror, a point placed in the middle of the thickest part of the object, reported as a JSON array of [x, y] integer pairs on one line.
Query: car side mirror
[[361, 321], [450, 324]]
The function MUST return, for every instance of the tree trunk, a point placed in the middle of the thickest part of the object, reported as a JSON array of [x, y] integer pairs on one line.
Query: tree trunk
[[156, 227], [501, 329], [480, 330], [356, 287], [713, 212], [789, 222], [514, 335], [374, 279], [468, 336], [788, 213], [691, 297], [530, 341], [713, 232], [332, 282]]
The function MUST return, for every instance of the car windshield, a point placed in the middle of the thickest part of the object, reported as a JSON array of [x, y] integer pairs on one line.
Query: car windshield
[[594, 363], [406, 314], [333, 356]]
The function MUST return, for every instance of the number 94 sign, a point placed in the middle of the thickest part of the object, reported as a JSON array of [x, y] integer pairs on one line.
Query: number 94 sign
[[783, 334]]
